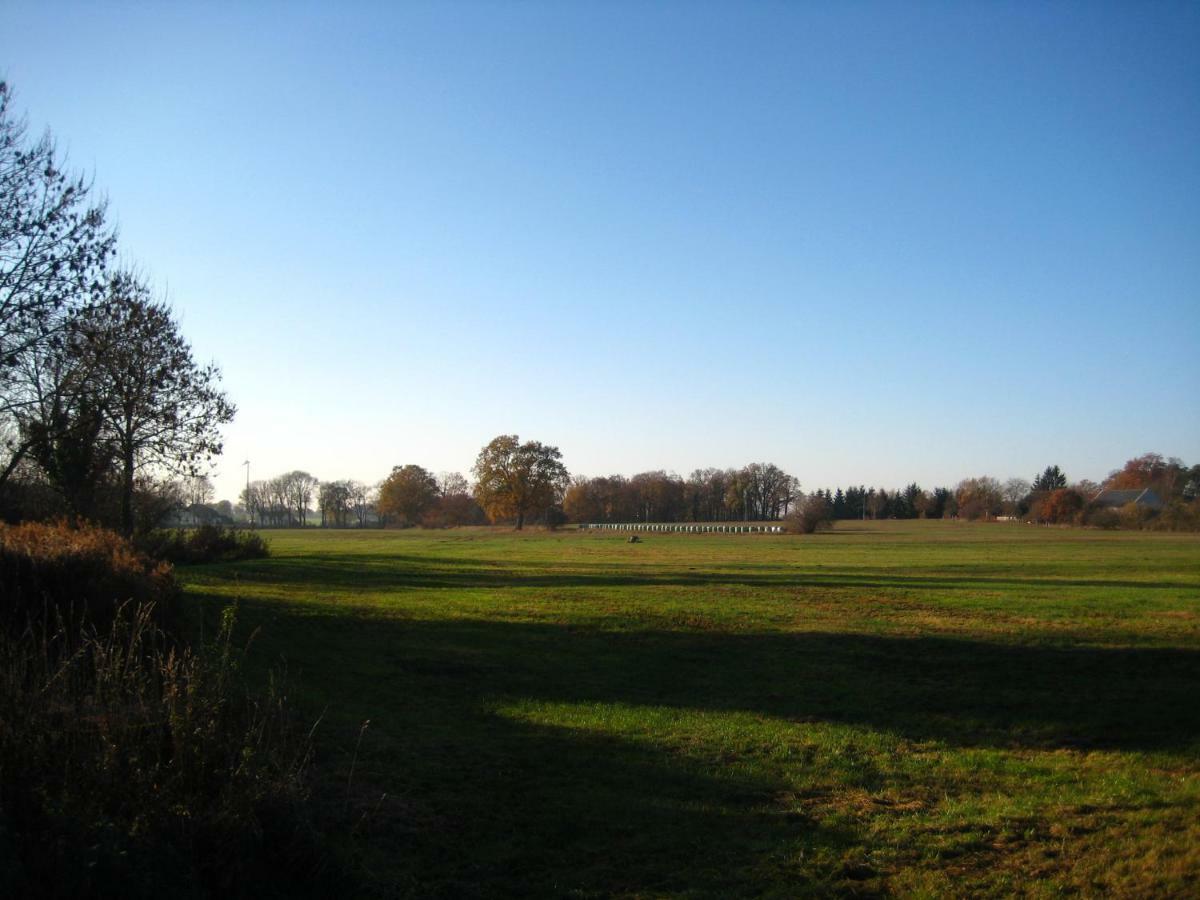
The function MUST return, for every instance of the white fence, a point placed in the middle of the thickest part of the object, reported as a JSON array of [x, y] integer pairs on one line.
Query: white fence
[[689, 529]]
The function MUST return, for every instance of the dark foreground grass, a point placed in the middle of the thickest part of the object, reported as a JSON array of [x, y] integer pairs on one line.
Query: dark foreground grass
[[914, 708]]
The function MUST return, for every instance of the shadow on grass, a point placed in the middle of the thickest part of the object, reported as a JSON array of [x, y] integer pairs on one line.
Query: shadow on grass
[[497, 806], [380, 572], [959, 692]]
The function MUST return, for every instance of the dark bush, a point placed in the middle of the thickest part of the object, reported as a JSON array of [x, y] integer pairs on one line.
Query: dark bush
[[205, 544], [555, 518], [130, 764], [1102, 517], [1178, 515], [51, 573], [130, 768]]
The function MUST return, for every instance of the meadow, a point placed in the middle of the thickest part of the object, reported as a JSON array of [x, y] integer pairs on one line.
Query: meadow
[[915, 708]]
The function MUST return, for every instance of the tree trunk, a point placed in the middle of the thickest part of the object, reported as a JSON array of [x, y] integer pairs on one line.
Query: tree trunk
[[520, 519], [127, 492], [9, 469]]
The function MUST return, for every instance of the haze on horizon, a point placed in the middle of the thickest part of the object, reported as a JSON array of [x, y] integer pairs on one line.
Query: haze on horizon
[[872, 245]]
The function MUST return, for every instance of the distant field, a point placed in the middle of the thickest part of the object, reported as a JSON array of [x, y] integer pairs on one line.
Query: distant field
[[906, 707]]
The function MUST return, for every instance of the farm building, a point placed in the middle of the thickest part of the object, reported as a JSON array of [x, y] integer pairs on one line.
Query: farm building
[[1142, 497], [196, 514]]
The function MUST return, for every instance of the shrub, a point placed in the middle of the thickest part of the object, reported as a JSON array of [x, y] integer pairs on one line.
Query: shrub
[[555, 518], [205, 544], [812, 514], [52, 573], [1102, 517], [1134, 516], [128, 768], [1178, 515]]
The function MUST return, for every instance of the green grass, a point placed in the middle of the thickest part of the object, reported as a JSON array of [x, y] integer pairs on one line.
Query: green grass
[[922, 708]]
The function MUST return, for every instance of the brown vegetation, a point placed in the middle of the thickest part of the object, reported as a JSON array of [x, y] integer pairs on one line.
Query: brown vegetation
[[813, 514], [130, 768], [130, 763], [53, 571]]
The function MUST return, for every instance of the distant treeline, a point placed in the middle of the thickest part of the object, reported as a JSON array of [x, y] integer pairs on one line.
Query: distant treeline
[[409, 496], [758, 492]]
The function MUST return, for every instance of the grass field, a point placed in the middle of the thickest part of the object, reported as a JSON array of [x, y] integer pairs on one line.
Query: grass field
[[922, 708]]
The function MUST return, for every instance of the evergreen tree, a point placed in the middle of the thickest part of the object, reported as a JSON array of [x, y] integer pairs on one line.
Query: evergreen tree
[[1050, 480], [839, 504]]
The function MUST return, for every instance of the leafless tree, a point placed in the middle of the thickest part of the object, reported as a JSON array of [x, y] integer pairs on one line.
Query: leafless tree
[[452, 483], [54, 245], [297, 489], [197, 490], [162, 409]]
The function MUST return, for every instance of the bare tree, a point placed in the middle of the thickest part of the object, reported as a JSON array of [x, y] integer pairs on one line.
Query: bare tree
[[452, 483], [197, 490], [362, 502], [54, 245], [298, 488], [1013, 492], [161, 408]]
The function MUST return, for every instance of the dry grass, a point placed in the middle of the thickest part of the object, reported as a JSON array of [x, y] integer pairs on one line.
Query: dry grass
[[131, 764]]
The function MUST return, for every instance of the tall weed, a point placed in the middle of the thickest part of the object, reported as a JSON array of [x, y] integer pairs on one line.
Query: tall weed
[[131, 767]]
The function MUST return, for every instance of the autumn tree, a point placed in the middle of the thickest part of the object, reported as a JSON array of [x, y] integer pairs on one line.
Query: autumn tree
[[454, 506], [407, 493], [978, 497], [581, 502], [515, 480], [1061, 506], [1168, 477], [656, 496]]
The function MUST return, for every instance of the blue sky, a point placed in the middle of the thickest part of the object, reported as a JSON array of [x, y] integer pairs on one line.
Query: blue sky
[[868, 242]]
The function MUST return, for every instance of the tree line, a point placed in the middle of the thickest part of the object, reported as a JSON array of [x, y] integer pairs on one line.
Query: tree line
[[526, 482], [1049, 498], [758, 492], [102, 404], [514, 481]]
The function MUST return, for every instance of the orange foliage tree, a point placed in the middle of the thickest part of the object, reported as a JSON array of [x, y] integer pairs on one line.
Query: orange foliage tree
[[1061, 507]]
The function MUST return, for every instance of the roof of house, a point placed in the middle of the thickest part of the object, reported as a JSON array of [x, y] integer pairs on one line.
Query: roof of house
[[198, 512], [1140, 496]]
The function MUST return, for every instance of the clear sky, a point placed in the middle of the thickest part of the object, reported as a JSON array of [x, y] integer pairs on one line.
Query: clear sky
[[867, 242]]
